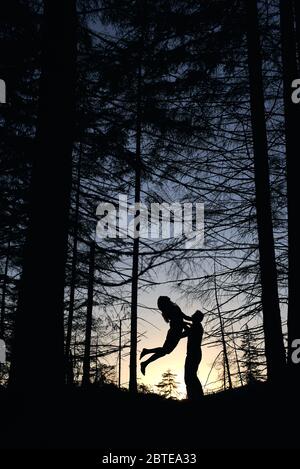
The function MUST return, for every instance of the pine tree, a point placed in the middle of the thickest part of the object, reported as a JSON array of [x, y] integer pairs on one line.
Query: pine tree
[[251, 358], [275, 352], [290, 70], [167, 387]]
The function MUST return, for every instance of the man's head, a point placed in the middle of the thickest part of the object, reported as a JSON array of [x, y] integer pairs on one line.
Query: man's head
[[197, 316]]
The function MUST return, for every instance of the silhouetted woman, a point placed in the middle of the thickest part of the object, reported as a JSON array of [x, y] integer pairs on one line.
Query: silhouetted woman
[[173, 315]]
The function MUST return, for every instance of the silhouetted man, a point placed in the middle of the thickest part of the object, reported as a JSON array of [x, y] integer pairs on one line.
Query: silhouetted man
[[193, 357]]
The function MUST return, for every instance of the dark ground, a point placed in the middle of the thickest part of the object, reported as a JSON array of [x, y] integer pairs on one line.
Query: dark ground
[[250, 417]]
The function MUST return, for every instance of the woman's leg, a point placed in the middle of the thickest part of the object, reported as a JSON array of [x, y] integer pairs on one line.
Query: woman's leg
[[172, 339], [146, 351], [159, 352]]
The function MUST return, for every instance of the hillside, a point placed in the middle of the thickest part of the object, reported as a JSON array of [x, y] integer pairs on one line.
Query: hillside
[[250, 417]]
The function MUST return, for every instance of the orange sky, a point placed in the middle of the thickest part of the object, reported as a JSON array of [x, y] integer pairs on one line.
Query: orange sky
[[155, 338]]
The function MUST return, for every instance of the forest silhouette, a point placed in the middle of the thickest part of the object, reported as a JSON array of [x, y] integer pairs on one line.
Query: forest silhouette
[[166, 102]]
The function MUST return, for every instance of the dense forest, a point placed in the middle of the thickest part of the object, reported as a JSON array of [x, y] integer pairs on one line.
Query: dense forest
[[166, 101]]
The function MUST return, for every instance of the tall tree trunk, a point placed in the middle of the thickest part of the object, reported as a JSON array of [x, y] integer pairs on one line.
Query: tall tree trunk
[[120, 354], [236, 357], [39, 329], [292, 120], [296, 6], [136, 244], [225, 353], [89, 319], [74, 263], [274, 346], [3, 295]]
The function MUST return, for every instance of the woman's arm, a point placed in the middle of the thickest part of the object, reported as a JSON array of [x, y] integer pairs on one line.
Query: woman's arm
[[186, 328], [187, 318], [179, 314]]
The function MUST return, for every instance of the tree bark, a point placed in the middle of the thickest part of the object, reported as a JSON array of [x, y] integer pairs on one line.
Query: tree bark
[[136, 244], [39, 329], [3, 296], [74, 264], [274, 346], [224, 345], [89, 319], [296, 6], [292, 120]]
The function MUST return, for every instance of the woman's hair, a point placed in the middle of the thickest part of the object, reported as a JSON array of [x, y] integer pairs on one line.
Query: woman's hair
[[164, 304]]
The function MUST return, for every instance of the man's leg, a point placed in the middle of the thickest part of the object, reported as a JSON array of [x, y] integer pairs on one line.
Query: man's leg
[[193, 386]]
